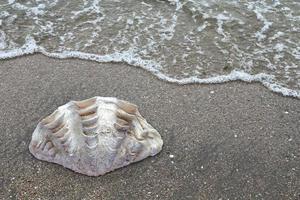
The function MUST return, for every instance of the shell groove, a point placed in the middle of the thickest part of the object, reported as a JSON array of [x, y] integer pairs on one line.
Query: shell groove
[[95, 136]]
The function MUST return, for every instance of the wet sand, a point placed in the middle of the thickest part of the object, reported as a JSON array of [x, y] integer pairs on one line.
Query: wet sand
[[229, 141]]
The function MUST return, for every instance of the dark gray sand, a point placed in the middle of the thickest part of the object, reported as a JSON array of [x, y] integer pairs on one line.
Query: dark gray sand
[[229, 141]]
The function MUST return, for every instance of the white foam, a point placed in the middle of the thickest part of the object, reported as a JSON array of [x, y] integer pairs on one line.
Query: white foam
[[220, 21], [29, 47], [130, 58], [279, 47], [4, 14], [276, 35], [38, 10], [259, 15], [202, 27]]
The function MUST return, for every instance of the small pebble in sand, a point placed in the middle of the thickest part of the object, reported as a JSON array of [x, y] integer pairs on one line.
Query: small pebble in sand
[[212, 92], [171, 156], [286, 112], [235, 135]]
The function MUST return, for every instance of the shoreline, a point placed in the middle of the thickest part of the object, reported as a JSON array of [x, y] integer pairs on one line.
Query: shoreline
[[30, 48], [230, 140]]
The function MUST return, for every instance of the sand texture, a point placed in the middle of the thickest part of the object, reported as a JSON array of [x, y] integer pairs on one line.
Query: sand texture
[[223, 141]]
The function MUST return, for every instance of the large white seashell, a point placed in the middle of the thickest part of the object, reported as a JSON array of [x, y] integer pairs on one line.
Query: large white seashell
[[95, 136]]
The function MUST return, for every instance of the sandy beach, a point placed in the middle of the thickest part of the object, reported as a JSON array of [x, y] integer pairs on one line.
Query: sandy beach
[[227, 141]]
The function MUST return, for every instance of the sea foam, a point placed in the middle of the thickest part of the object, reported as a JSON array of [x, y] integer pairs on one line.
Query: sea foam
[[178, 41], [128, 57]]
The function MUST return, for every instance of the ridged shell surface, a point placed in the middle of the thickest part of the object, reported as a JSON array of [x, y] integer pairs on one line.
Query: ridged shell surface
[[95, 136]]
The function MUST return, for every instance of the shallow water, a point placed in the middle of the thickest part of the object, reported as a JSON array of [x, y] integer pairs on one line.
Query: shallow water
[[182, 41]]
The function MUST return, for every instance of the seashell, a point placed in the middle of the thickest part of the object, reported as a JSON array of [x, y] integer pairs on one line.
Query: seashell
[[95, 136]]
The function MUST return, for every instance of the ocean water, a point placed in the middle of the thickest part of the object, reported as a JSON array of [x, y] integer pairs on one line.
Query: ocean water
[[179, 41]]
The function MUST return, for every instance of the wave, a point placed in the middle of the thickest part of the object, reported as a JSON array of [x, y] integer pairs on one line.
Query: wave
[[30, 47]]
